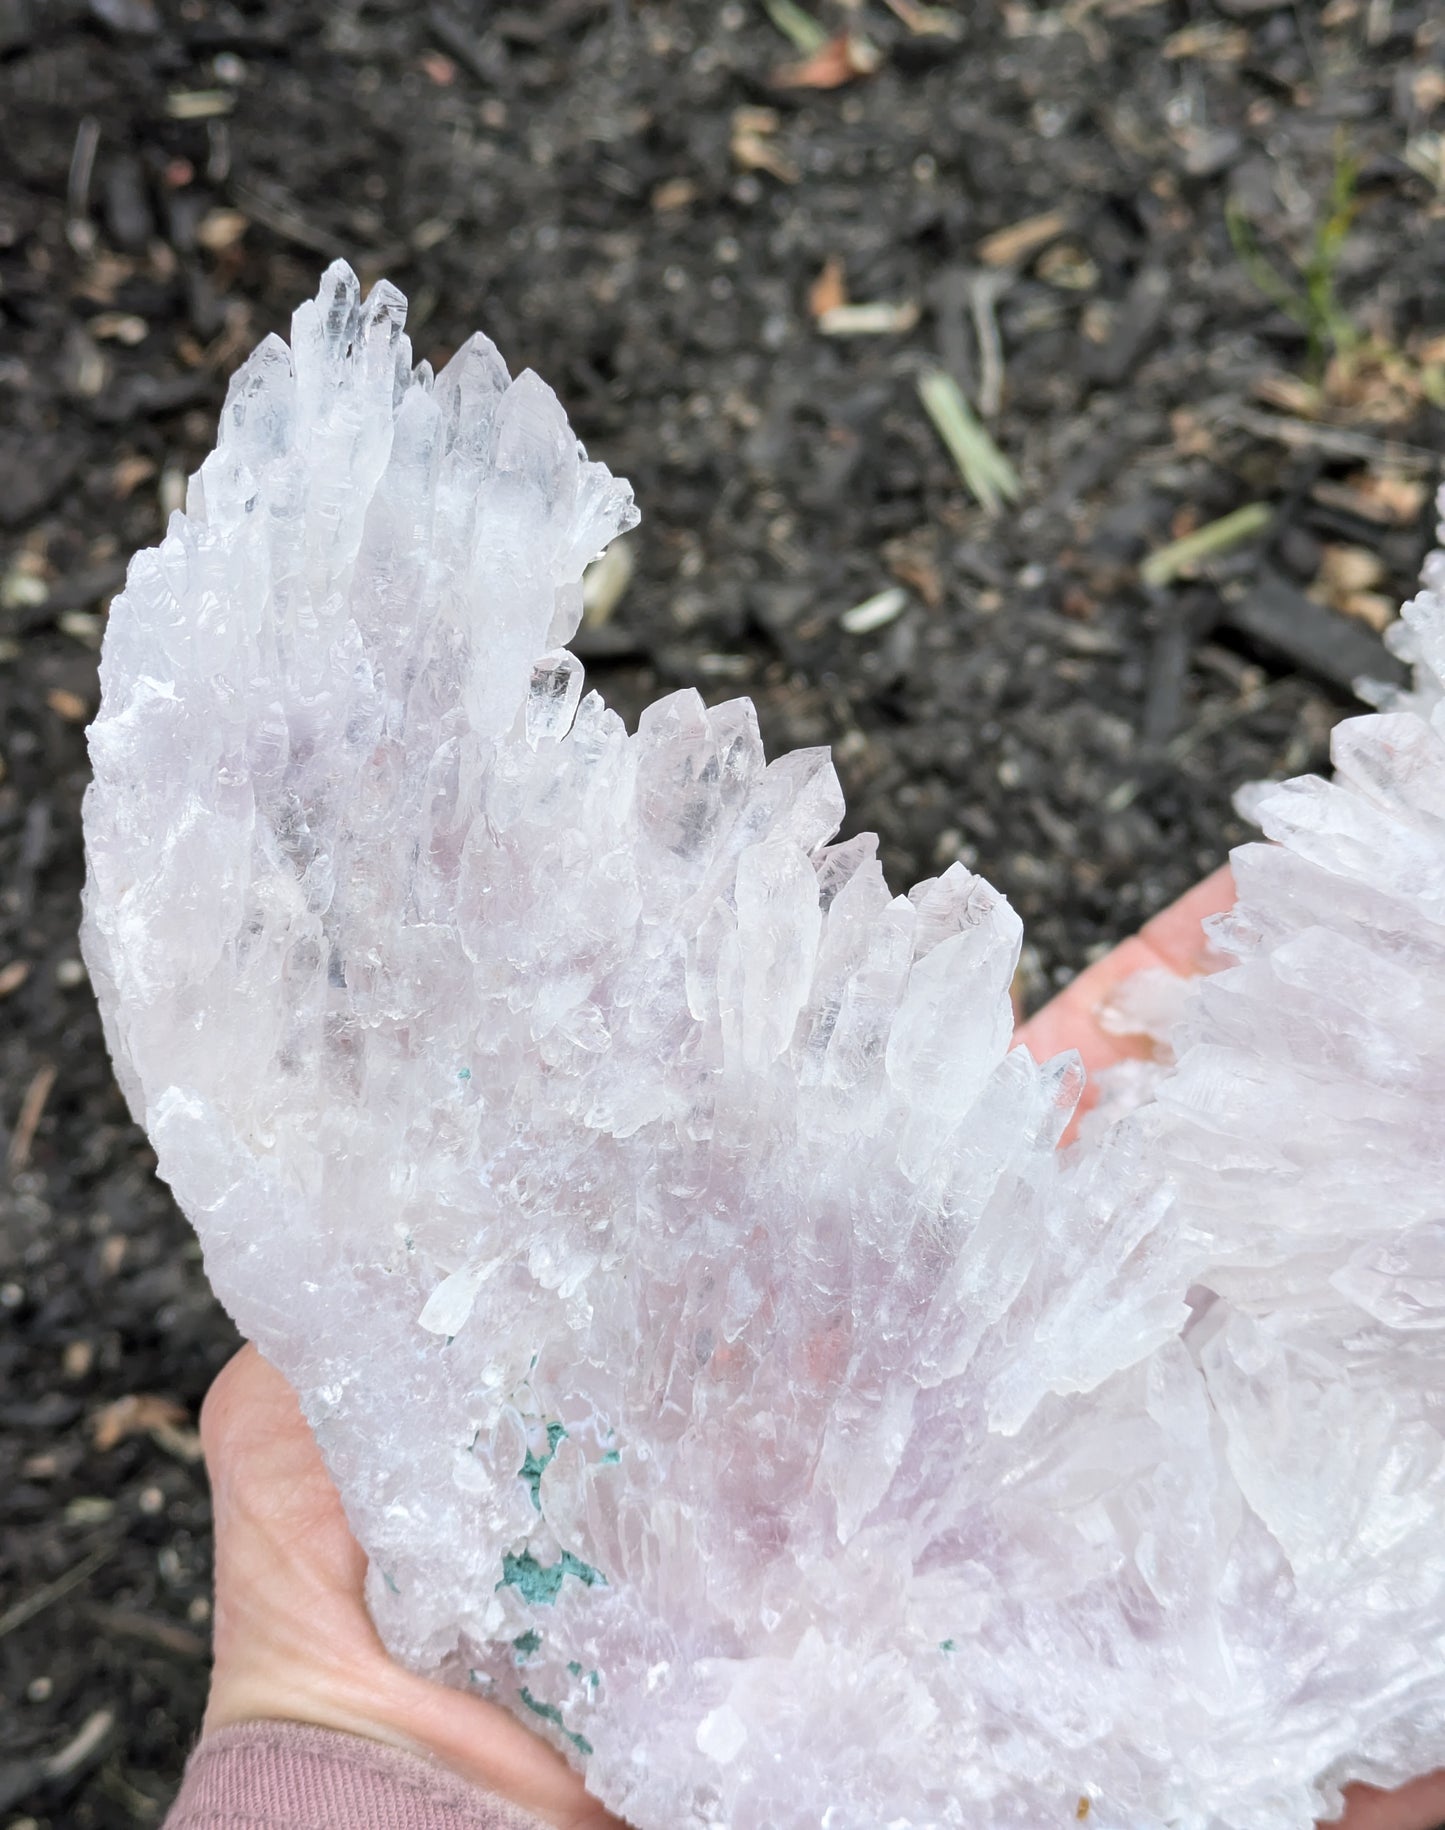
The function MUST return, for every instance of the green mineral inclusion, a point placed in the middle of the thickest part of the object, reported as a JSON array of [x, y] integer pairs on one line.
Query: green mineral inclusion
[[531, 1469], [538, 1583], [549, 1712]]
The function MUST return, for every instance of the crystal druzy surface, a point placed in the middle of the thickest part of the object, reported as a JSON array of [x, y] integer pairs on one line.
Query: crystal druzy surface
[[719, 1362]]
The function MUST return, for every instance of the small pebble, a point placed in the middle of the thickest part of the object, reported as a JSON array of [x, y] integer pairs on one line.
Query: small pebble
[[69, 973], [151, 1501]]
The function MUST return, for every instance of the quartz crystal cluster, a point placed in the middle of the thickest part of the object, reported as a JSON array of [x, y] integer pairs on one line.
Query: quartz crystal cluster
[[720, 1363]]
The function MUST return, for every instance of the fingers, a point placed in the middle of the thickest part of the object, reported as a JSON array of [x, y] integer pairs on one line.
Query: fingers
[[1172, 940], [1417, 1806], [293, 1639], [265, 1466], [1176, 935]]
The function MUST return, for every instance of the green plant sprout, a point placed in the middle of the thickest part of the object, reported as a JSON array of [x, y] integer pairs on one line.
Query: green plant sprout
[[1310, 297]]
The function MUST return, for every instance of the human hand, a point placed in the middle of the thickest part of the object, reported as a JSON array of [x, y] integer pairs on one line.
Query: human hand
[[1173, 940], [293, 1639]]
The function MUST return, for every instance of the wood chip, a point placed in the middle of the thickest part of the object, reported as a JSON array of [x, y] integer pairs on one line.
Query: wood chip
[[1427, 88], [136, 1414], [219, 230], [185, 1445], [1212, 42], [1068, 267], [81, 626], [829, 290], [122, 327], [77, 1359], [926, 21], [880, 319], [1425, 153], [1291, 393], [199, 104], [1372, 608], [841, 60], [1346, 581], [130, 472], [1192, 435], [23, 590], [1344, 569], [1374, 496], [1013, 245], [32, 1108], [674, 194], [13, 976], [913, 560], [750, 147], [68, 705], [88, 1509], [875, 612]]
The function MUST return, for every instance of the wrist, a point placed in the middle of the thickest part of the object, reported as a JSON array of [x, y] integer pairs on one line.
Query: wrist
[[378, 1701]]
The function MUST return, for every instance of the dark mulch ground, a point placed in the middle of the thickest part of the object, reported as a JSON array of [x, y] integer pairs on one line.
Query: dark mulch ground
[[595, 182]]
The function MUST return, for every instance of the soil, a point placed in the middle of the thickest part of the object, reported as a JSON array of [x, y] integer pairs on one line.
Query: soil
[[645, 204]]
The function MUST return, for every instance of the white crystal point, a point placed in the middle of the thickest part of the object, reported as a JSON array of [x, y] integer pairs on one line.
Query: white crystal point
[[719, 1362]]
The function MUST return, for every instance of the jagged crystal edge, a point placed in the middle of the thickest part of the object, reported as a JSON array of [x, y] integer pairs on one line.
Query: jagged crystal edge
[[717, 1359]]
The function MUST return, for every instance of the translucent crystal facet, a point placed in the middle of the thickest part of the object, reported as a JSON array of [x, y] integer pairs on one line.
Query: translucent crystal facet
[[720, 1363]]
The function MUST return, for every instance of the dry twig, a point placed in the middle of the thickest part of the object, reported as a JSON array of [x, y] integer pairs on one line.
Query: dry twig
[[32, 1108]]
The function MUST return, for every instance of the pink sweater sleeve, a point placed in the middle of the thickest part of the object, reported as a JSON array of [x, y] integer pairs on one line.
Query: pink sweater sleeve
[[287, 1776]]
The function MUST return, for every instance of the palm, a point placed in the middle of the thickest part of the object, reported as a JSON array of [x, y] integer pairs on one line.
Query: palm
[[293, 1638]]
